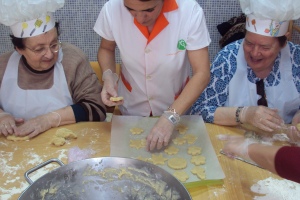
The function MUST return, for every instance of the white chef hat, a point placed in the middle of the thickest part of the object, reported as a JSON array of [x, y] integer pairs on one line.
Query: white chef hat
[[270, 17], [28, 18]]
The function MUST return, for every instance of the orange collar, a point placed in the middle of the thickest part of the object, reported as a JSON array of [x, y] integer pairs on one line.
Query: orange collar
[[161, 22]]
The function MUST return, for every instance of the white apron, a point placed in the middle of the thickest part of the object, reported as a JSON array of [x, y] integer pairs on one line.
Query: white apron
[[283, 97], [28, 104]]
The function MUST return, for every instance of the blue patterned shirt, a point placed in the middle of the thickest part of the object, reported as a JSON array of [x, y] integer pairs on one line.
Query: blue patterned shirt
[[223, 69]]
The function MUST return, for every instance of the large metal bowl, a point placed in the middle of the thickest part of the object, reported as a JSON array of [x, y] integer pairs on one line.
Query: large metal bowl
[[105, 178]]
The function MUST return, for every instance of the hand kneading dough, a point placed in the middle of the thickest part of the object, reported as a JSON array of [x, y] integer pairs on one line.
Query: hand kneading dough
[[16, 138]]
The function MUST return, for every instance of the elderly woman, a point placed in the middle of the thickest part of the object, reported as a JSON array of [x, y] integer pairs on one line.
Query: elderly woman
[[158, 41], [255, 81], [45, 83]]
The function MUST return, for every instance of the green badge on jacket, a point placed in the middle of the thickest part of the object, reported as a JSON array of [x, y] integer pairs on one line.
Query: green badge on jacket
[[181, 45]]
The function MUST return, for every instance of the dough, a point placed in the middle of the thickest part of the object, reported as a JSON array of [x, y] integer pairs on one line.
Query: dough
[[142, 158], [171, 150], [177, 163], [58, 141], [198, 160], [191, 139], [137, 143], [181, 128], [179, 141], [158, 159], [65, 133], [116, 98], [194, 150], [298, 126], [136, 131], [181, 175], [199, 171], [62, 135], [16, 138]]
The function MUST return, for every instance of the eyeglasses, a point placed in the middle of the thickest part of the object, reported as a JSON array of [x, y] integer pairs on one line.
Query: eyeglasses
[[54, 48], [260, 90]]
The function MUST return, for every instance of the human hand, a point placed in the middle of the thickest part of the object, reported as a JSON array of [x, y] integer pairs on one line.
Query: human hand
[[160, 134], [262, 117], [236, 146], [296, 119], [293, 134], [109, 88], [39, 124], [8, 123]]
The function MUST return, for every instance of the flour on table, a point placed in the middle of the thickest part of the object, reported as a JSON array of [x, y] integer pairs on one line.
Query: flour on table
[[276, 189]]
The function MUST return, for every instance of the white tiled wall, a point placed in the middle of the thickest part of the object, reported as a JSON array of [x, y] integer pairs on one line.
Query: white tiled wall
[[77, 19]]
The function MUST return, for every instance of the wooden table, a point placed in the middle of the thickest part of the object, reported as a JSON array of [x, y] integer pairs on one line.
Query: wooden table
[[18, 157]]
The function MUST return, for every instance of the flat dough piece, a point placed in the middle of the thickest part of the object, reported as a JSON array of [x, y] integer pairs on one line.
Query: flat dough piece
[[136, 130], [116, 98], [66, 133], [298, 126], [194, 150], [158, 159], [58, 141], [179, 141], [198, 160], [142, 158], [199, 171], [181, 175], [137, 143], [16, 138], [181, 128], [190, 138], [171, 150], [177, 163]]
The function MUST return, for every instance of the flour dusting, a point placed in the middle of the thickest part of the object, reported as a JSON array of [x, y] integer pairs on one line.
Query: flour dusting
[[276, 189]]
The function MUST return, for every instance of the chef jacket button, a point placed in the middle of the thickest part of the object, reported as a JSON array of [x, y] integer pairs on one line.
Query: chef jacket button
[[150, 98], [147, 50], [148, 77]]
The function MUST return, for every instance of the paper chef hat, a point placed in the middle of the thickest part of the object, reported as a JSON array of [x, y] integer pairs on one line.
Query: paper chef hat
[[29, 18], [270, 17]]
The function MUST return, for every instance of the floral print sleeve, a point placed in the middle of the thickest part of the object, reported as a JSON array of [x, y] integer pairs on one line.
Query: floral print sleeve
[[216, 93]]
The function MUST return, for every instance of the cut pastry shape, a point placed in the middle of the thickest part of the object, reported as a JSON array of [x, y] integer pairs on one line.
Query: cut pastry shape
[[190, 138], [181, 128], [194, 150], [158, 159], [177, 163], [198, 160], [171, 150], [136, 130], [199, 171], [181, 175], [137, 143], [179, 141]]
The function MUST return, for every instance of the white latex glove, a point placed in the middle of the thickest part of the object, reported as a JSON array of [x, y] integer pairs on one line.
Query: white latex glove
[[8, 123], [109, 88], [236, 146], [160, 134], [262, 117], [39, 124]]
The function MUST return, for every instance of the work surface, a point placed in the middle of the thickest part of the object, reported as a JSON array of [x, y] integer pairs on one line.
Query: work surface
[[18, 157]]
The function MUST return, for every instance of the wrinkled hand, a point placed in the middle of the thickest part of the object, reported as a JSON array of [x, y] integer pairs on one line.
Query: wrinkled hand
[[293, 134], [110, 88], [37, 125], [236, 146], [262, 117], [160, 134], [8, 123], [296, 119]]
